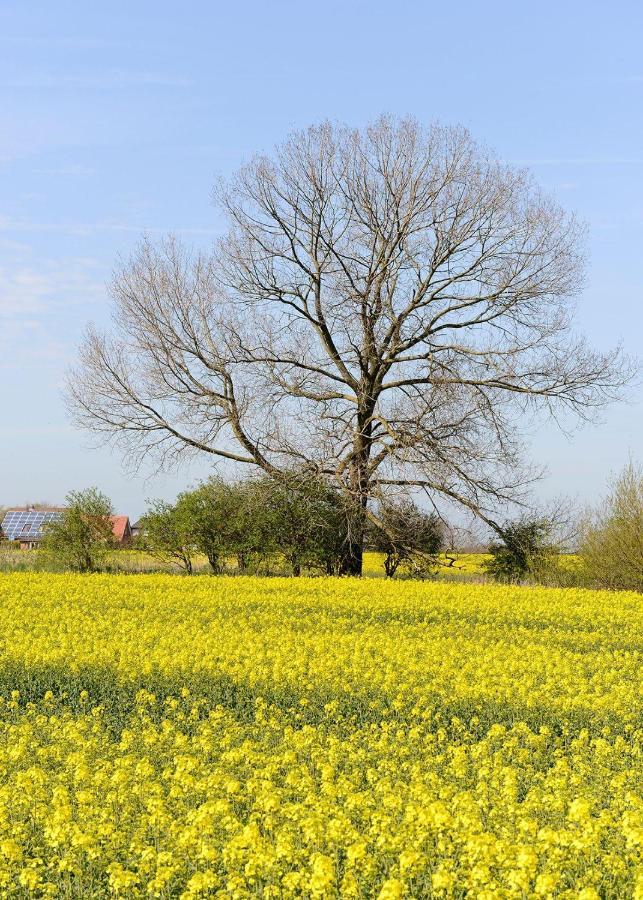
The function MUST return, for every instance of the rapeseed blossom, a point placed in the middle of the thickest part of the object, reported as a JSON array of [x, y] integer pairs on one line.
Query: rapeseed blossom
[[322, 738]]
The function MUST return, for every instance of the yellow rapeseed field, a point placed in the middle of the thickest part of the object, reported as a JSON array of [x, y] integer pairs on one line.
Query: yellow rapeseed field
[[244, 737]]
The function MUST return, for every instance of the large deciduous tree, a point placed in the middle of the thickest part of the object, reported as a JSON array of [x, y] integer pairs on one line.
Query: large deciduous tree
[[385, 305]]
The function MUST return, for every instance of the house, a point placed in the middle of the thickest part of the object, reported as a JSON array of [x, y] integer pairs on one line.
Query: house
[[27, 525], [121, 529]]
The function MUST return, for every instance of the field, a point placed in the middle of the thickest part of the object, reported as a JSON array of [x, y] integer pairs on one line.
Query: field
[[242, 737], [450, 567], [460, 565]]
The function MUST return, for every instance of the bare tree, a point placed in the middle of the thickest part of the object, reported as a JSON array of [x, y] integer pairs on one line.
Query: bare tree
[[385, 306]]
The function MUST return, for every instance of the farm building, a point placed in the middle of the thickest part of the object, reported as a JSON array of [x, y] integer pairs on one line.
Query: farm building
[[27, 525], [121, 529]]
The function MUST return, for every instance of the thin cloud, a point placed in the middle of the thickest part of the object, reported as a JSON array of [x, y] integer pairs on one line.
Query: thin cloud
[[31, 349], [39, 301], [28, 292]]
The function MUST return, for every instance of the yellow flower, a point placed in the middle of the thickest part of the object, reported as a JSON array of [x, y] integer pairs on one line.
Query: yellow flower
[[546, 884], [442, 879], [579, 810], [121, 879], [323, 874], [202, 882], [392, 889], [11, 850], [29, 879], [638, 888], [356, 852]]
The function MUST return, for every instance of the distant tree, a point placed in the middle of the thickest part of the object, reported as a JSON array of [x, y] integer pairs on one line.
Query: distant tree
[[306, 522], [83, 536], [217, 519], [611, 546], [167, 534], [249, 532], [405, 534], [525, 549], [206, 513], [225, 519]]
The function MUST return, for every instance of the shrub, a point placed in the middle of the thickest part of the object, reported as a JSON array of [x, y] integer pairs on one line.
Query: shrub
[[612, 536], [526, 550], [304, 520]]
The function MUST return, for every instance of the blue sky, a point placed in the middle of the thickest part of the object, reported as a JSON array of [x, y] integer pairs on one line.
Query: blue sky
[[116, 118]]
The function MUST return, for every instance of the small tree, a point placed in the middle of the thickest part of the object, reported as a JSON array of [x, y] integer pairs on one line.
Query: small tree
[[167, 534], [83, 536], [218, 519], [612, 536], [525, 549], [207, 513], [249, 529], [406, 534], [305, 521], [222, 519]]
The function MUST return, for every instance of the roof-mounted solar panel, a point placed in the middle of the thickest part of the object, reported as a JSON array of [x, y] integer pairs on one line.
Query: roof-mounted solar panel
[[28, 524]]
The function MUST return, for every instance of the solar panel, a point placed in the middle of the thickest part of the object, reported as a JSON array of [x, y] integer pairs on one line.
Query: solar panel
[[28, 524]]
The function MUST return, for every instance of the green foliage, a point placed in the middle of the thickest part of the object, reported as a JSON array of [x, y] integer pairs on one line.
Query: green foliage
[[226, 519], [207, 513], [526, 549], [167, 534], [83, 537], [304, 521], [298, 521], [405, 534], [612, 536], [248, 533]]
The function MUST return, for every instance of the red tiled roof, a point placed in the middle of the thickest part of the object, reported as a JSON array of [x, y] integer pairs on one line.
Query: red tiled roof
[[120, 527]]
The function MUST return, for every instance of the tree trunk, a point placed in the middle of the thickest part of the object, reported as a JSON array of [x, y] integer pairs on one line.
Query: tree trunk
[[352, 560], [353, 557], [391, 563]]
